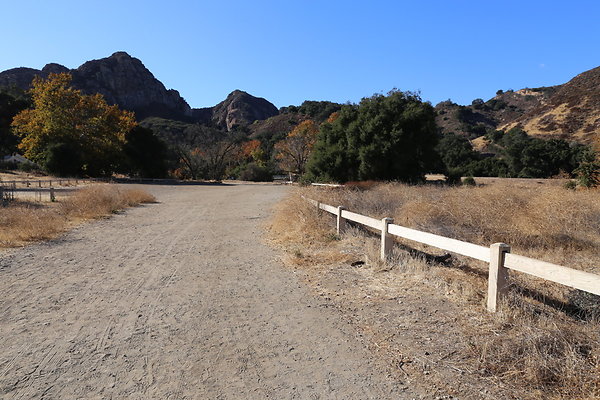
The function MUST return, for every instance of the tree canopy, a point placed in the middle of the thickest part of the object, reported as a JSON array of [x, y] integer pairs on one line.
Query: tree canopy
[[66, 127], [382, 138], [292, 152], [11, 103], [146, 153]]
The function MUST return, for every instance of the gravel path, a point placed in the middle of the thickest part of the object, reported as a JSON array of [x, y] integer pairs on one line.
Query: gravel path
[[176, 300]]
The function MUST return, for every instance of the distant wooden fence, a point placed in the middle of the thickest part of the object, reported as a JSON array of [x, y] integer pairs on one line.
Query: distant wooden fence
[[39, 187], [498, 255]]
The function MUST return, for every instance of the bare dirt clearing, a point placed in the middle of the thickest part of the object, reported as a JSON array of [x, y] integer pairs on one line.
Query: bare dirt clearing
[[175, 300]]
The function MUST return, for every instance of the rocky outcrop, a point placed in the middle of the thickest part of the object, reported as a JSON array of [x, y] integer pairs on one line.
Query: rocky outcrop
[[241, 108], [19, 77], [120, 78], [125, 81]]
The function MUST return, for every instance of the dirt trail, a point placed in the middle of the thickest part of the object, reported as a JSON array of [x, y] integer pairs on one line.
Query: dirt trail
[[177, 300]]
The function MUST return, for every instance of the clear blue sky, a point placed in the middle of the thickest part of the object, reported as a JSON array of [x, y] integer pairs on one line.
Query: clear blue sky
[[290, 51]]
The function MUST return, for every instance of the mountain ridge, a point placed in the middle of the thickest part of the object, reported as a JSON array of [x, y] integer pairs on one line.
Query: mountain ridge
[[569, 111], [125, 81]]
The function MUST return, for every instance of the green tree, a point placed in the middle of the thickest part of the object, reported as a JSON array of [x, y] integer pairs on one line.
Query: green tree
[[530, 157], [146, 153], [588, 171], [92, 129], [11, 103], [318, 110], [456, 152], [384, 137]]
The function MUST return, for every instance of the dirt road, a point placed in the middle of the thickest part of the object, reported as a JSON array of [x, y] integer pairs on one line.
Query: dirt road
[[176, 300]]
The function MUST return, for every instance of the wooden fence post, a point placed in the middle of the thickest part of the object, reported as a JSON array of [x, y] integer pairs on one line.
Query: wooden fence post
[[387, 241], [52, 196], [498, 275], [341, 222]]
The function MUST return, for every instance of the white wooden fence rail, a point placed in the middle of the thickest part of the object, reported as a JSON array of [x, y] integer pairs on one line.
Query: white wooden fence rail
[[497, 255]]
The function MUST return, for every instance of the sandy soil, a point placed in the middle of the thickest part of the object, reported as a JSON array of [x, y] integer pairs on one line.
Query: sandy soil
[[176, 300]]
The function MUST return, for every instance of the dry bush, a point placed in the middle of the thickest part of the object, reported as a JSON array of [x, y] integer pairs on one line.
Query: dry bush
[[134, 197], [537, 342], [22, 221], [299, 228], [548, 353], [100, 200]]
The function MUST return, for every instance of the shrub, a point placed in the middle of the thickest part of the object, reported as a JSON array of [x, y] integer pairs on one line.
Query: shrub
[[256, 173], [469, 181], [570, 184], [588, 174]]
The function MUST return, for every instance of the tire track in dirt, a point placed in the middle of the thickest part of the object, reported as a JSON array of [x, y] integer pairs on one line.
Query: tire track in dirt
[[175, 300], [63, 347]]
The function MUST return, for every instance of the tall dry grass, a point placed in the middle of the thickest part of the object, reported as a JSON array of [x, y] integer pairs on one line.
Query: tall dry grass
[[546, 338], [548, 222], [22, 222]]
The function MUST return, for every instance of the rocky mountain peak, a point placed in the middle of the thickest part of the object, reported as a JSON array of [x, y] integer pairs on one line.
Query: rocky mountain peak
[[241, 108], [125, 81], [53, 68], [120, 78]]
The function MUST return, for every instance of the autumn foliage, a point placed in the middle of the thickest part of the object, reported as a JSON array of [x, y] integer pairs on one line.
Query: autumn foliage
[[71, 132], [293, 152]]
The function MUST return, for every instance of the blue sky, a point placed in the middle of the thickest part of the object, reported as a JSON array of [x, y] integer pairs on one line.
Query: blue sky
[[290, 51]]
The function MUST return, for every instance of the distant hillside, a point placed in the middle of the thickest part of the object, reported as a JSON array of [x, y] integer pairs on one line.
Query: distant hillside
[[570, 111], [573, 111], [480, 117]]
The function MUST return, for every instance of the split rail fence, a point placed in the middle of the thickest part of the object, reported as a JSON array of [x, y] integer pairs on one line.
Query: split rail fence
[[498, 255]]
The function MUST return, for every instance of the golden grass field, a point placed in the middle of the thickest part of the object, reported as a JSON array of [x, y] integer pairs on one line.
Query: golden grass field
[[545, 340], [26, 221]]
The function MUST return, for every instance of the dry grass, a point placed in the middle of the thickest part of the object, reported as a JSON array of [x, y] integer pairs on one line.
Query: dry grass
[[545, 341], [22, 222]]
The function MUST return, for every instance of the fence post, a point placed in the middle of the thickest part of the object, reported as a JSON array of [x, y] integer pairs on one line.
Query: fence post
[[341, 222], [498, 275], [52, 196], [386, 239]]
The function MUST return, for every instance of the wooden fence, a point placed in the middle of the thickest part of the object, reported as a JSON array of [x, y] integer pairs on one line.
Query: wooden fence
[[498, 255], [41, 187]]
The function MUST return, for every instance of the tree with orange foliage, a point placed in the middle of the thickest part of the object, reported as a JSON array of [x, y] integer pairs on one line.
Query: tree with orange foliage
[[293, 152], [252, 150], [69, 132]]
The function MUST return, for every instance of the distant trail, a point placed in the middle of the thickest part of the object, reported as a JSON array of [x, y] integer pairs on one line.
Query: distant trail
[[177, 300]]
